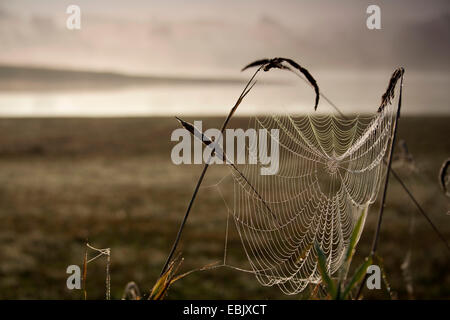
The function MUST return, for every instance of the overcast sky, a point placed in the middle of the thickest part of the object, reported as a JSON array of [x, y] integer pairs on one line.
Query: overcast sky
[[201, 37]]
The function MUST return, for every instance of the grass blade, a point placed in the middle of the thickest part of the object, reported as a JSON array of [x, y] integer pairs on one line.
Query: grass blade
[[357, 277], [355, 235], [322, 264]]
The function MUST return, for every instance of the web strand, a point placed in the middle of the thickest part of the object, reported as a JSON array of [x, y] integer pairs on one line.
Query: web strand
[[330, 170]]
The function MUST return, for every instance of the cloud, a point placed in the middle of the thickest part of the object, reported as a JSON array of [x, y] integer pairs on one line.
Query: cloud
[[202, 37]]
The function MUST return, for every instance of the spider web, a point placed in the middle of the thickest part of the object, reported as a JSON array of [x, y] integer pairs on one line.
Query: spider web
[[330, 169]]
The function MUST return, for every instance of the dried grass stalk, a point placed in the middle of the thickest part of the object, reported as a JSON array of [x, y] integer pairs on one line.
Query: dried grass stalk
[[443, 174], [389, 94], [277, 63]]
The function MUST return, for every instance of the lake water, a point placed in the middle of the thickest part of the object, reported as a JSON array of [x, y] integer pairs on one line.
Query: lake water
[[353, 94]]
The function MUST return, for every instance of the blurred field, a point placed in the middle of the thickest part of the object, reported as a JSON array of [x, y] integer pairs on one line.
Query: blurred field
[[112, 181]]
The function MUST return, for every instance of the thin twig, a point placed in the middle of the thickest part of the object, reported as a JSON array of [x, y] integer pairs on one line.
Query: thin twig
[[244, 92], [421, 210], [102, 252], [214, 146], [386, 183]]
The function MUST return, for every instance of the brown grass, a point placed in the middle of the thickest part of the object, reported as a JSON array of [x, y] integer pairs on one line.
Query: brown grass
[[112, 181]]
